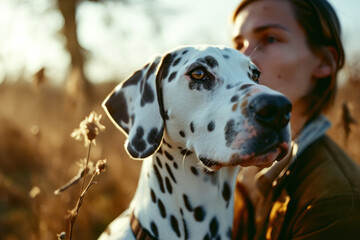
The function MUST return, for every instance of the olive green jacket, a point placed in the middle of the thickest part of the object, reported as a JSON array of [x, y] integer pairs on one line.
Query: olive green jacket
[[317, 197]]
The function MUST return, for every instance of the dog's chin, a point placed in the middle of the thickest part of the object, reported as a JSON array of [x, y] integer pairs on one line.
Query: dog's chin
[[264, 159]]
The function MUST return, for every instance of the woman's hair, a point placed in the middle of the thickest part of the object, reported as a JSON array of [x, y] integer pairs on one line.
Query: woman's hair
[[322, 29]]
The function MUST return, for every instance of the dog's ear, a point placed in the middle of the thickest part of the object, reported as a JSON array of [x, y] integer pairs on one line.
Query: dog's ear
[[135, 107]]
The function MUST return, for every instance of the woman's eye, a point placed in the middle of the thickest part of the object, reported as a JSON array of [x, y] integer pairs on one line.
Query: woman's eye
[[255, 75], [198, 74], [270, 39]]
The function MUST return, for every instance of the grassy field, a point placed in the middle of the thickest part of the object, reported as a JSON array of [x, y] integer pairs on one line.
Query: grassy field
[[36, 150]]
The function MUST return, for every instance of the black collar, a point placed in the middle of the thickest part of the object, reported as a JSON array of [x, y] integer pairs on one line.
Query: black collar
[[139, 232]]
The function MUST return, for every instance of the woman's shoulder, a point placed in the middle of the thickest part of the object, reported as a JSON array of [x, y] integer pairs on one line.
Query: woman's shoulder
[[324, 170]]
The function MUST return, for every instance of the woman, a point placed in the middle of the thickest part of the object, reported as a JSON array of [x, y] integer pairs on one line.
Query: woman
[[315, 192]]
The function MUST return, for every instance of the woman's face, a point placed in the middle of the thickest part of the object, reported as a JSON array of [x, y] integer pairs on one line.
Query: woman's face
[[268, 32]]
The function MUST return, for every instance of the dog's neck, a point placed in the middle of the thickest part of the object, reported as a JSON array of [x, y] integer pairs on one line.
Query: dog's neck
[[177, 199]]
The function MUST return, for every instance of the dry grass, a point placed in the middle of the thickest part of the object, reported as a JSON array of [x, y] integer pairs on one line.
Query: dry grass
[[36, 150]]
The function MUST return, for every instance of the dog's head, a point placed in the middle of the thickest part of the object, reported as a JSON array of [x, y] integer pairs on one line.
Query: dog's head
[[210, 102]]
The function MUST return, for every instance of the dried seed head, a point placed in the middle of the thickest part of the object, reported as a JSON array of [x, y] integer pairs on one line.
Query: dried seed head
[[100, 166], [34, 192], [61, 235], [87, 166], [89, 129]]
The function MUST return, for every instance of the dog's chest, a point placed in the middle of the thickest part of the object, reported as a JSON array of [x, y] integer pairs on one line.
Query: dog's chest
[[176, 199]]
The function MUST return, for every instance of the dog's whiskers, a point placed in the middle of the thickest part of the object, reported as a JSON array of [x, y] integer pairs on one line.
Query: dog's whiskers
[[183, 161], [256, 48]]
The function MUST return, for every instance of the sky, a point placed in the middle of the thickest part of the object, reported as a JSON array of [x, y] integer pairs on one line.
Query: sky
[[120, 38]]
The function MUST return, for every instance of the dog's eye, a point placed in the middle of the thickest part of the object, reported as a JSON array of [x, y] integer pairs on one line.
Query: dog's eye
[[255, 75], [198, 74]]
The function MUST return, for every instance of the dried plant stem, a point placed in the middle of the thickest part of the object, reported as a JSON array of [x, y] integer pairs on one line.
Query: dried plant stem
[[86, 168], [73, 213], [89, 129]]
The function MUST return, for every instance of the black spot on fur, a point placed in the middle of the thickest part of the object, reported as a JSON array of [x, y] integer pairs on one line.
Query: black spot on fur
[[230, 86], [192, 128], [211, 126], [187, 203], [226, 192], [166, 64], [154, 137], [207, 237], [235, 98], [133, 79], [170, 172], [245, 86], [199, 214], [226, 56], [175, 165], [230, 132], [186, 231], [167, 144], [159, 178], [184, 52], [176, 62], [168, 185], [137, 145], [162, 209], [117, 108], [160, 151], [153, 195], [182, 133], [168, 156], [152, 69], [158, 161], [166, 115], [175, 225], [154, 229], [194, 171], [172, 76], [147, 94], [137, 142], [214, 227], [186, 152], [210, 61], [229, 233]]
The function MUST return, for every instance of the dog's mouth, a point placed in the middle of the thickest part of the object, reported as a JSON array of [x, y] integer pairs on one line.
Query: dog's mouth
[[262, 159], [211, 165]]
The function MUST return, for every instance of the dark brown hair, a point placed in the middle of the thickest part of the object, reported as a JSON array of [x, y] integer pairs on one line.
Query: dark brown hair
[[322, 29]]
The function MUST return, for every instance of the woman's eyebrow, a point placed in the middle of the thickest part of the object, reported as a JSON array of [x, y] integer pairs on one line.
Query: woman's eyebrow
[[260, 29], [269, 26]]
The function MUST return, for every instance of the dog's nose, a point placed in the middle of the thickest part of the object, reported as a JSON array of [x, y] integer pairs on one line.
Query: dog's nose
[[271, 110]]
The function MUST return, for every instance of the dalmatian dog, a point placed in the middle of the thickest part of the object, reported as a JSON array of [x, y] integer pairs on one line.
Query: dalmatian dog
[[199, 114]]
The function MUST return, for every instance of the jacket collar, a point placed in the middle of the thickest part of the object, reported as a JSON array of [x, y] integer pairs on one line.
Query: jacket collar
[[267, 178]]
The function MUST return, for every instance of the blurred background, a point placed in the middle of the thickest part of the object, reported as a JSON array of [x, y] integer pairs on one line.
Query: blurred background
[[58, 61]]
